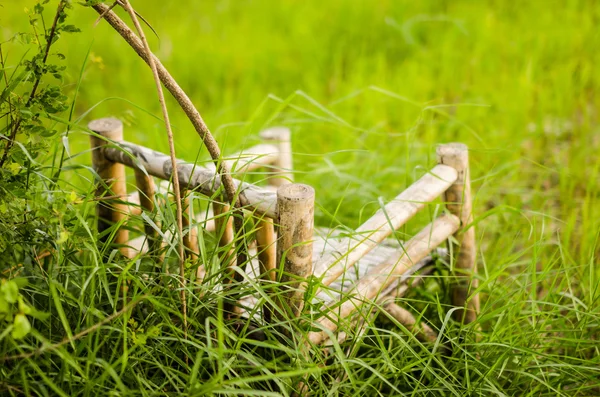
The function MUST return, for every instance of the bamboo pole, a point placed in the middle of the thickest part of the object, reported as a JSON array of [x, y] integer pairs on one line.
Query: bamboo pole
[[422, 331], [378, 279], [458, 202], [145, 196], [388, 295], [283, 165], [395, 214], [202, 180], [224, 230], [296, 205], [112, 182], [267, 256]]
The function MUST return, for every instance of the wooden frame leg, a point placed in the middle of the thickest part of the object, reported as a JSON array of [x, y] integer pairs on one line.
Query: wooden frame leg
[[112, 187], [296, 205], [459, 202]]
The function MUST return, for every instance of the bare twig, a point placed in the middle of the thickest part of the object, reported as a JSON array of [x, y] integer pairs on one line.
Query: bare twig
[[232, 196], [177, 190]]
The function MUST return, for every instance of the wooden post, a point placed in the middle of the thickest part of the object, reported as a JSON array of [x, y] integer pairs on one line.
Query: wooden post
[[282, 137], [296, 207], [458, 202], [267, 256], [112, 187], [146, 188]]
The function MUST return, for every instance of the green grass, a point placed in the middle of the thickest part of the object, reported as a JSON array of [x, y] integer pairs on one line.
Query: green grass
[[368, 89]]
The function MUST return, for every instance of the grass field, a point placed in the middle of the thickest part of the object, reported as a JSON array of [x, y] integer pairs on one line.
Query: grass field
[[368, 88]]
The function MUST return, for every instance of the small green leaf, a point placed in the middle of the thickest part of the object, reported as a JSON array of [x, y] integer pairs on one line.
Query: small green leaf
[[23, 307], [4, 308], [43, 316], [10, 289], [63, 237], [71, 29], [21, 326], [21, 282], [14, 168]]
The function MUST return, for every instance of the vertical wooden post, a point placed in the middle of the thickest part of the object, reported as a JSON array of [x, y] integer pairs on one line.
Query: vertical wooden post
[[295, 206], [280, 136], [267, 256], [265, 234], [112, 187], [147, 190], [458, 202]]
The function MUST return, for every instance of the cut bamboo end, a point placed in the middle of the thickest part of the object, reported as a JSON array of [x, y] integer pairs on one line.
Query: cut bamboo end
[[112, 180], [395, 214], [422, 331], [459, 202], [282, 137], [378, 279], [296, 205]]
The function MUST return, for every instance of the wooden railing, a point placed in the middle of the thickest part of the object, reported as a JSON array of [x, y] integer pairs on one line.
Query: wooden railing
[[284, 213]]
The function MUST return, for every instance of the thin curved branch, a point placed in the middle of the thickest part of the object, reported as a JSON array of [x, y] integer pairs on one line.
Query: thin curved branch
[[236, 199], [176, 188]]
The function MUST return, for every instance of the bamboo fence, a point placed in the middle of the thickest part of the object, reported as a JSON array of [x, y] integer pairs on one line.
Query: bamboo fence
[[285, 236]]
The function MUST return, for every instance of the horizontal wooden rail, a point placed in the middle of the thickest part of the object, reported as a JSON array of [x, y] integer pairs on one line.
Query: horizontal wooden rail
[[395, 214], [192, 176], [382, 276]]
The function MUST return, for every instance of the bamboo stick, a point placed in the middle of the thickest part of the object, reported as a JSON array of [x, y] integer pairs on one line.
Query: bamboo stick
[[384, 222], [200, 179], [112, 182], [267, 256], [145, 196], [224, 231], [295, 204], [266, 248], [384, 274], [395, 291], [422, 331], [458, 202], [283, 165]]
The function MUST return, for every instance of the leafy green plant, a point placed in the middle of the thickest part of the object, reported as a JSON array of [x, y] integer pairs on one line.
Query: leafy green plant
[[32, 211], [14, 310]]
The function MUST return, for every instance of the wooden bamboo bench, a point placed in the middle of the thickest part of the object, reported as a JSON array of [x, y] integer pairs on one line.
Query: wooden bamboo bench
[[354, 270]]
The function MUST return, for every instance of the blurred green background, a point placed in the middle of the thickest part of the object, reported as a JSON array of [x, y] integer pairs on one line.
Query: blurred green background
[[368, 89]]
